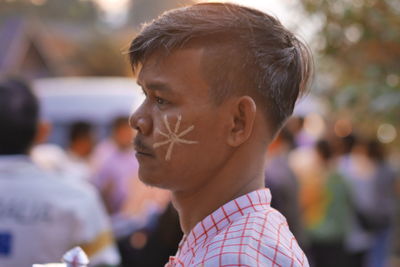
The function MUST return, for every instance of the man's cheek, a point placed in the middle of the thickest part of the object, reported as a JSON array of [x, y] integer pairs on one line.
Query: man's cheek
[[172, 134]]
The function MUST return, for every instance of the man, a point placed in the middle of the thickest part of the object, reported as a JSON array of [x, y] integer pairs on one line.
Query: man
[[284, 184], [220, 80], [41, 215]]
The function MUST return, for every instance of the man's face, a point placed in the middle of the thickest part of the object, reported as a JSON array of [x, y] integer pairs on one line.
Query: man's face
[[181, 139]]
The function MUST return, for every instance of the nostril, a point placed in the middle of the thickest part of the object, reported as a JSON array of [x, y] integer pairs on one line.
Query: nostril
[[133, 122], [140, 124]]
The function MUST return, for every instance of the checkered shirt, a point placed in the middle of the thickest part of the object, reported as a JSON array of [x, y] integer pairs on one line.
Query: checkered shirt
[[244, 232]]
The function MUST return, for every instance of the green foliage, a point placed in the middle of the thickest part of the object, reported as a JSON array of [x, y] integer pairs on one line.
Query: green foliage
[[60, 10], [358, 45], [101, 57]]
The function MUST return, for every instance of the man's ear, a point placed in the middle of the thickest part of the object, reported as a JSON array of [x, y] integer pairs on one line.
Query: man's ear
[[243, 117]]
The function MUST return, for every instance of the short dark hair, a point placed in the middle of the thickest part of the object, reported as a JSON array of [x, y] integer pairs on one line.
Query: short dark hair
[[19, 112], [246, 51], [376, 150], [348, 142], [324, 149], [79, 129]]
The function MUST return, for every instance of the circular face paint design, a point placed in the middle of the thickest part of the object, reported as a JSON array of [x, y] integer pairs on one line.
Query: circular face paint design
[[173, 137]]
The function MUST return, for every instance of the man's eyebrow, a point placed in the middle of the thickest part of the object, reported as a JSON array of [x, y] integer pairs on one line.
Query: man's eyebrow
[[155, 86]]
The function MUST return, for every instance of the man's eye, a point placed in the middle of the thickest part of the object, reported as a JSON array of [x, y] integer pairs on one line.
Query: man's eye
[[160, 101]]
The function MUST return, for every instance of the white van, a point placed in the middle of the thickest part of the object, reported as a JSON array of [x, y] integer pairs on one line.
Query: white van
[[97, 100]]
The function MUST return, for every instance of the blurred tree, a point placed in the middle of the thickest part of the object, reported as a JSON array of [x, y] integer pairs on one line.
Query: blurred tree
[[71, 33], [60, 10], [358, 57], [101, 57]]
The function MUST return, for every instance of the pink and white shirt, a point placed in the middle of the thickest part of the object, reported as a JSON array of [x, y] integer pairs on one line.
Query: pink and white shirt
[[244, 232]]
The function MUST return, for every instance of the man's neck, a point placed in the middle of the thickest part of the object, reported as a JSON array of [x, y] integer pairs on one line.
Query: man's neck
[[233, 181]]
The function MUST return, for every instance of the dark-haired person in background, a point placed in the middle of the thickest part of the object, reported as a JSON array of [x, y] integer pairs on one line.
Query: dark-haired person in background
[[358, 169], [220, 80], [383, 213], [81, 140], [327, 209], [130, 204], [42, 216], [283, 183], [80, 147], [114, 169]]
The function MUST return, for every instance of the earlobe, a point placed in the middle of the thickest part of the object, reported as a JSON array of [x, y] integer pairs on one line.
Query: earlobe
[[243, 117]]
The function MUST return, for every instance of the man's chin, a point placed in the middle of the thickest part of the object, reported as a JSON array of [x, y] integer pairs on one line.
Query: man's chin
[[152, 180]]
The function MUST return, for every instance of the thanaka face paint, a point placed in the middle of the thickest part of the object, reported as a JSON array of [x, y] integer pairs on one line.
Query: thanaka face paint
[[173, 137]]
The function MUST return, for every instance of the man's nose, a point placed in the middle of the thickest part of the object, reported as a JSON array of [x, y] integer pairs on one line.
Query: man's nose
[[140, 122]]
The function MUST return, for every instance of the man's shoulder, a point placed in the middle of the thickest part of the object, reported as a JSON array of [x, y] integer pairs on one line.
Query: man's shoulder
[[264, 226], [37, 184], [259, 238], [78, 197], [67, 187]]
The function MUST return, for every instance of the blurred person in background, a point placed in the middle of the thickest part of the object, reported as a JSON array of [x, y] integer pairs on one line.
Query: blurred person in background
[[295, 125], [383, 214], [114, 167], [119, 141], [152, 244], [41, 215], [327, 209], [80, 146], [283, 183], [72, 163], [343, 146], [359, 166], [395, 246], [132, 205]]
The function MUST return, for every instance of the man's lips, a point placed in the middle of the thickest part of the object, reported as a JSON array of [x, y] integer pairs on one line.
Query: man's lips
[[141, 148], [143, 153]]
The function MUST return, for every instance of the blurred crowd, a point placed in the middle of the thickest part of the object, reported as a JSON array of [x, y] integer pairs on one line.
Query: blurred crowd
[[340, 195], [144, 225], [85, 194]]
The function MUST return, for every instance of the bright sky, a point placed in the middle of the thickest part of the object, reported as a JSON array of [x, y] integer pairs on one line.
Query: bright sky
[[115, 11], [287, 11], [113, 6], [278, 8]]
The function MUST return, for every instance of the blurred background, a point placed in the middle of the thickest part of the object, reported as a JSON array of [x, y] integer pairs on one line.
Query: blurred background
[[75, 54]]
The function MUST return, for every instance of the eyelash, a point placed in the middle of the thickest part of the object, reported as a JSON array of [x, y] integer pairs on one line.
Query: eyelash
[[160, 101]]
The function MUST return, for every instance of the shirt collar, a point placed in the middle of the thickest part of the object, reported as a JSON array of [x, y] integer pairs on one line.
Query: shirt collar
[[221, 218]]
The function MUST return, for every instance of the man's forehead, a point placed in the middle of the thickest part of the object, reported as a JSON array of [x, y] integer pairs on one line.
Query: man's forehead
[[156, 67]]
